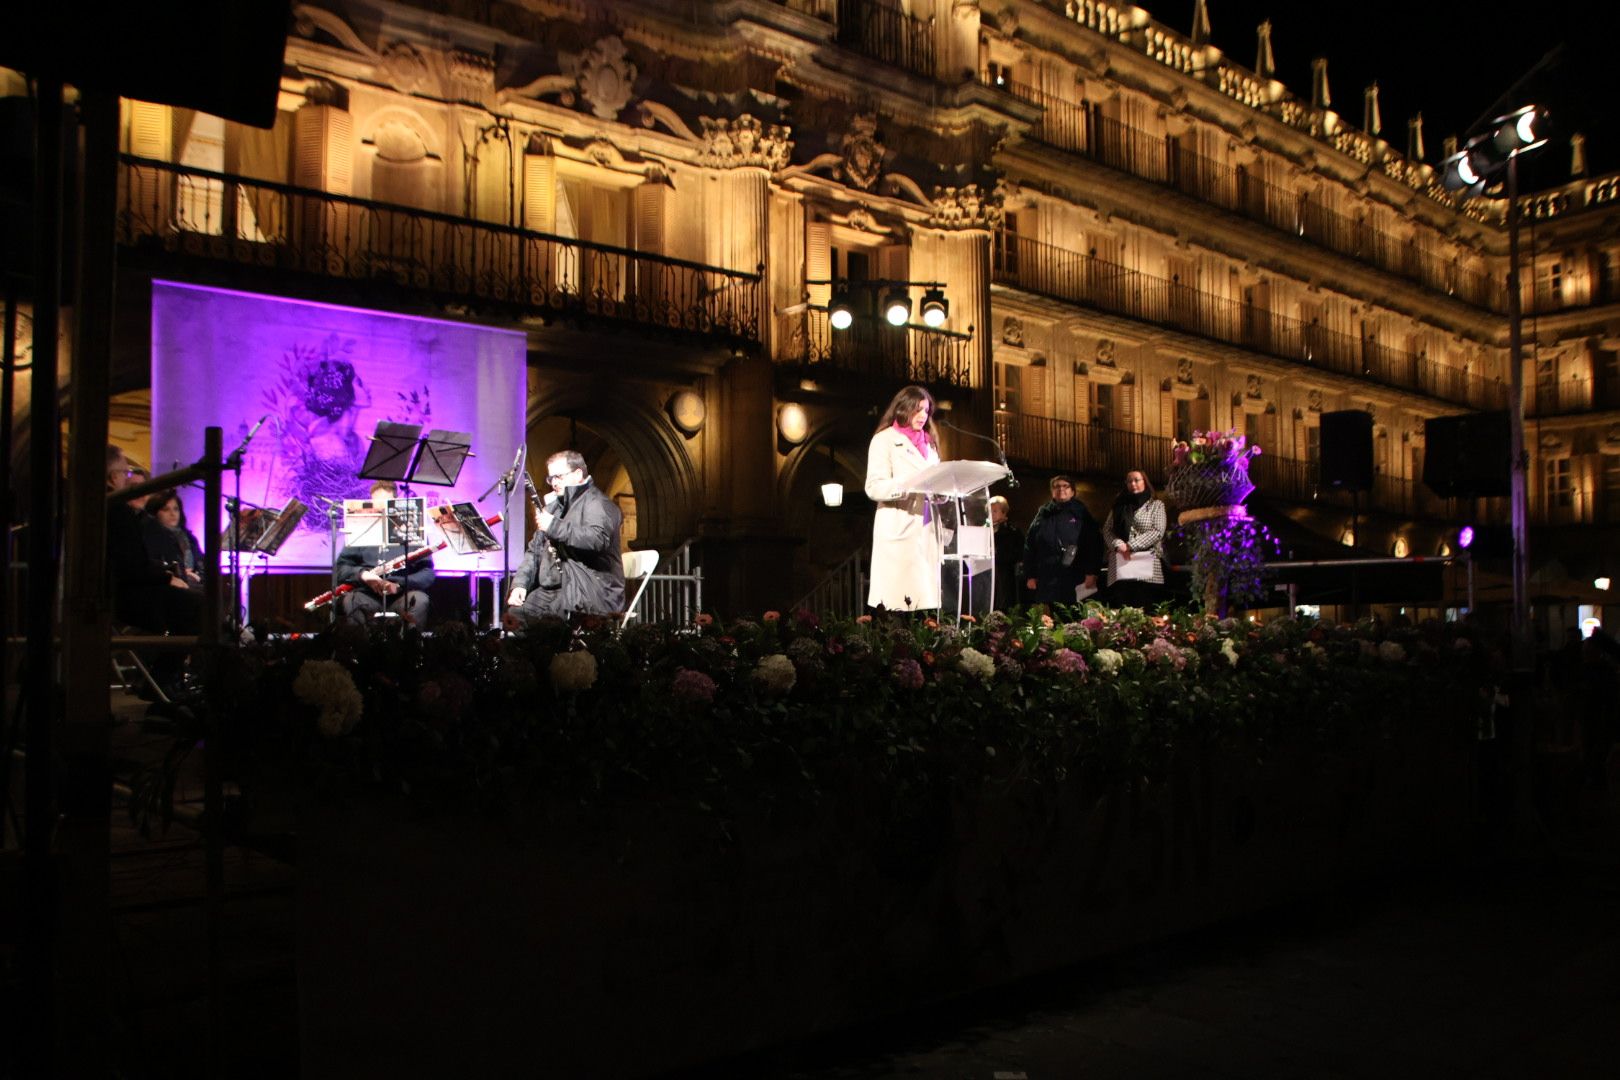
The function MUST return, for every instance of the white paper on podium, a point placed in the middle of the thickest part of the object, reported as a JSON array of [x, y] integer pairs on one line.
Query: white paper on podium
[[1139, 567], [1082, 592], [955, 478]]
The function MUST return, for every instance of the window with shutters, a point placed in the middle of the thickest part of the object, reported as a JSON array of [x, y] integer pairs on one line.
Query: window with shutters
[[1611, 487], [1009, 387], [1546, 383], [1100, 404], [1004, 251], [1558, 483], [1313, 445], [1606, 379]]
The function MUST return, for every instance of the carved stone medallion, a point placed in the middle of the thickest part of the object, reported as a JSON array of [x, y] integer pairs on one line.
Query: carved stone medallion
[[863, 154], [1012, 331], [606, 78]]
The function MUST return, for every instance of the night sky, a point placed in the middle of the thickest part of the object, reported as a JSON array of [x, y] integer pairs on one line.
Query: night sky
[[1449, 61]]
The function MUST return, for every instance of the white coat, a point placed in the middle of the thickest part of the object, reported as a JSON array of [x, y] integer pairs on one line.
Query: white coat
[[906, 547]]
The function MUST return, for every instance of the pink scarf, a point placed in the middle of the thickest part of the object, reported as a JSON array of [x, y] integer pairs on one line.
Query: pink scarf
[[919, 439]]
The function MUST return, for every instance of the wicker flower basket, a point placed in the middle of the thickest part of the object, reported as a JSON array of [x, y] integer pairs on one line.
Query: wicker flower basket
[[1209, 483]]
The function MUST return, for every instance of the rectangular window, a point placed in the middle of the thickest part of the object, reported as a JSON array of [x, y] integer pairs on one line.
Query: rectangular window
[[1184, 419], [1101, 404], [1009, 387], [1558, 486], [1611, 486], [1313, 444], [1005, 248]]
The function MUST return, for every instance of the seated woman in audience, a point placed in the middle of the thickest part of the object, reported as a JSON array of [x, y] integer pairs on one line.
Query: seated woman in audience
[[169, 541]]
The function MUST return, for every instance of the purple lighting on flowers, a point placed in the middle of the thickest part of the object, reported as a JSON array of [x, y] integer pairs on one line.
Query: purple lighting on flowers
[[1465, 536]]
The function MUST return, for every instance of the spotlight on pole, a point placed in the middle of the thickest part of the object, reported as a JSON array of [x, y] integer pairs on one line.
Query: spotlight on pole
[[839, 312], [1465, 537], [897, 307], [1601, 584], [1508, 136], [935, 308]]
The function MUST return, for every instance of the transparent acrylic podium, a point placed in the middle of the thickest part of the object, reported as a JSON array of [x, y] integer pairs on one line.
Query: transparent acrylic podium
[[960, 492]]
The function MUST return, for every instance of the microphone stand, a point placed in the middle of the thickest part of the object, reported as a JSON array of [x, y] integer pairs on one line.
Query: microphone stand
[[1001, 455], [332, 508], [507, 483], [233, 462]]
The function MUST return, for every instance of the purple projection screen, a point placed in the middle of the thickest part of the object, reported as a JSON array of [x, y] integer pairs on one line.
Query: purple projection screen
[[324, 376]]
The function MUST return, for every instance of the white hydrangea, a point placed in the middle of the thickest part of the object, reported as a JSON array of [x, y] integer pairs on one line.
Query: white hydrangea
[[975, 665], [571, 671], [328, 684], [1391, 652], [1107, 662], [775, 674], [1229, 651]]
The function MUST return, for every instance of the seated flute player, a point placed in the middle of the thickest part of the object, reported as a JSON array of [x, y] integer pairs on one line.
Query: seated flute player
[[574, 564], [402, 591]]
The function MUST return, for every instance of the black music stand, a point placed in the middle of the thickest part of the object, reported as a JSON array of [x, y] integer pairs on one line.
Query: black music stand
[[401, 452], [443, 454], [393, 451]]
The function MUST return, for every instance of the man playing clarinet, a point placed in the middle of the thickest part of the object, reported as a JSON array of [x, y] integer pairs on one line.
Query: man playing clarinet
[[403, 592], [574, 563]]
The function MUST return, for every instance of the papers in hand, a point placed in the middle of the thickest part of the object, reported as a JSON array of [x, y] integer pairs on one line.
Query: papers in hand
[[1139, 567]]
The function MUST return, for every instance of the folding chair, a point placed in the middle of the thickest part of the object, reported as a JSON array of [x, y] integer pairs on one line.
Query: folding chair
[[638, 566]]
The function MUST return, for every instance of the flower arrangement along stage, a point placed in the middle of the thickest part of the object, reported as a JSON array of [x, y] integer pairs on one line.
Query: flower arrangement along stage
[[1210, 470], [723, 719]]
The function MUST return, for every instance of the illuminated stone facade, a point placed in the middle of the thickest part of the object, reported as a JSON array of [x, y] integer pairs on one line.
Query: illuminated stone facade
[[1137, 236]]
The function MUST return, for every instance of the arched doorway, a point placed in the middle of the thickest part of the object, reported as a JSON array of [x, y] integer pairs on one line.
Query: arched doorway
[[634, 452], [834, 453]]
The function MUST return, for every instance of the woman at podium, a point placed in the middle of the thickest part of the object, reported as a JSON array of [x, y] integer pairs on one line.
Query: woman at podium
[[906, 549]]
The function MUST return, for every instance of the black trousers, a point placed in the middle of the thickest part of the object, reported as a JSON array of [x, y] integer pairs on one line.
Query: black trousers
[[360, 605]]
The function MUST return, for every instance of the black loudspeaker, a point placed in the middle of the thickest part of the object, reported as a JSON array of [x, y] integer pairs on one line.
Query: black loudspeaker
[[218, 56], [1467, 456], [1347, 450]]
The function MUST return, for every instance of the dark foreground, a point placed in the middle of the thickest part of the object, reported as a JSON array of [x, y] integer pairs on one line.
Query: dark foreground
[[1505, 968]]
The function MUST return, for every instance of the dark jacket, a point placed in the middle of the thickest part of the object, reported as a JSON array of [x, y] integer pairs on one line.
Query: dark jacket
[[1009, 540], [163, 545], [1056, 526], [576, 564], [354, 560]]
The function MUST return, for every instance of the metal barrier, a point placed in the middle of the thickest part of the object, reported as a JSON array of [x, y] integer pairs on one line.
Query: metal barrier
[[675, 596]]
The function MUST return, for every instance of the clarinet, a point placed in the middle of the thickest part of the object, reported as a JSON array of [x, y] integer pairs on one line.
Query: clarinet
[[399, 562]]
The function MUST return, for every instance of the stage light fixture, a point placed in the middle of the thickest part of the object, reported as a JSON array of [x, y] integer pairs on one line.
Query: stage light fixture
[[1465, 537], [1508, 136], [897, 308], [935, 308], [1601, 584], [839, 312]]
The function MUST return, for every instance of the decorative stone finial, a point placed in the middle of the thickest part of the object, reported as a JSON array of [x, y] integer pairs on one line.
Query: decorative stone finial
[[1372, 121], [1200, 26], [1414, 138], [1265, 64], [1577, 155], [1321, 97]]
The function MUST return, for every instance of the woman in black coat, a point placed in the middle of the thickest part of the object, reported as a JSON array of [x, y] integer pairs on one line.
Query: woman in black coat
[[168, 541], [1064, 548]]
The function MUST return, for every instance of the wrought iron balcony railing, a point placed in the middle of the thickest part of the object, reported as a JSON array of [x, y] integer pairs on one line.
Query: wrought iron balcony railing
[[215, 216], [873, 348], [1077, 127], [887, 34], [1083, 279]]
